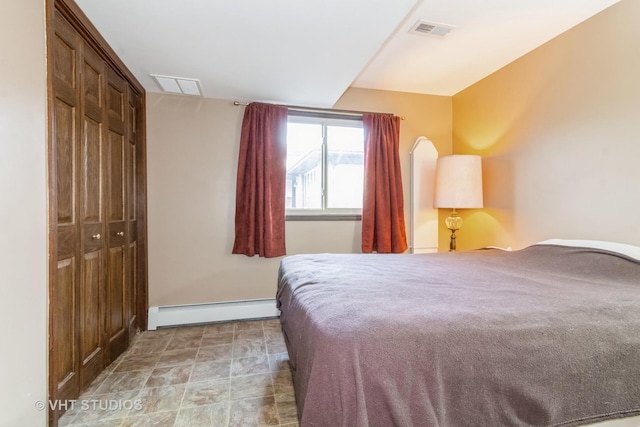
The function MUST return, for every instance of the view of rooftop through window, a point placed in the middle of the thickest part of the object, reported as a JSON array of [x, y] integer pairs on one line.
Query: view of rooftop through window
[[325, 165]]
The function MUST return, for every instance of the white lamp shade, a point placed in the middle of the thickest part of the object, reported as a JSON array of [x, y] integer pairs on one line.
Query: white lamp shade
[[458, 182]]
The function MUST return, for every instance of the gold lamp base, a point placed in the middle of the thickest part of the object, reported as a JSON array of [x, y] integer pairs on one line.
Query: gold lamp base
[[453, 223]]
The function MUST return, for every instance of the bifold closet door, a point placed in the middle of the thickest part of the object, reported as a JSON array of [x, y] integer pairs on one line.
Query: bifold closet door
[[64, 291], [77, 294], [133, 136], [117, 233], [97, 204], [92, 272]]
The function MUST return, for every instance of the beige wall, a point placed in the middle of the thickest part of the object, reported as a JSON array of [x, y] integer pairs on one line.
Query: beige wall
[[23, 213], [192, 161], [559, 130]]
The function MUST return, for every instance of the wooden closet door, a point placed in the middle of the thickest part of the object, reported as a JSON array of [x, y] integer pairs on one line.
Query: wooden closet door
[[92, 154], [78, 286], [65, 251], [133, 135], [97, 204], [118, 277]]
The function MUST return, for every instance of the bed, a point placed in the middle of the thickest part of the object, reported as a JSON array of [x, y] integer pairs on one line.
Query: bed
[[545, 336]]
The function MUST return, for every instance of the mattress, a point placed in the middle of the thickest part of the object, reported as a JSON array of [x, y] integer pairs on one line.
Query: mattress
[[545, 336]]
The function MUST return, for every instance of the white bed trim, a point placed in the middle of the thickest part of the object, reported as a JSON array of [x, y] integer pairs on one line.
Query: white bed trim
[[174, 315], [621, 248], [618, 422]]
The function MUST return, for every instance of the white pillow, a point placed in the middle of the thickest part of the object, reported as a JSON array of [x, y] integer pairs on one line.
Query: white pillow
[[621, 248]]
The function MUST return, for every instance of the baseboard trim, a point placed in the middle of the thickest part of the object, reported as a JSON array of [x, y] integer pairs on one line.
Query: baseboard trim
[[176, 315]]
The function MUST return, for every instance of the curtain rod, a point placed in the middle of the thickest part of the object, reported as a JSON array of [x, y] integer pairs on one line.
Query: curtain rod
[[323, 110]]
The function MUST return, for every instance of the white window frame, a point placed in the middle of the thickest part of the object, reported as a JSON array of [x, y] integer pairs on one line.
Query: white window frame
[[324, 213]]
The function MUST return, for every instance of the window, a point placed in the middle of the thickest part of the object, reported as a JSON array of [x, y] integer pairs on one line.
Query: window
[[325, 165]]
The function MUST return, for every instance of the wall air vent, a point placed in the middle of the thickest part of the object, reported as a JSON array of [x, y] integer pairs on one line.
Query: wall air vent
[[431, 29], [179, 85]]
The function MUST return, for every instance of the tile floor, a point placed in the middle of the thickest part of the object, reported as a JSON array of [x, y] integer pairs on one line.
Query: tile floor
[[223, 374]]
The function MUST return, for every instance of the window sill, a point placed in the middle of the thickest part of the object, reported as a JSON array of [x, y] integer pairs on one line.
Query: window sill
[[323, 217]]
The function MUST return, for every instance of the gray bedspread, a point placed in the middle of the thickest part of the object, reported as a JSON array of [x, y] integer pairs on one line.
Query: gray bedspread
[[544, 336]]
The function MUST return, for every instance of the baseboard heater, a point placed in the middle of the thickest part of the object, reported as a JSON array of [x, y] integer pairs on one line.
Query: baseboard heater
[[175, 315]]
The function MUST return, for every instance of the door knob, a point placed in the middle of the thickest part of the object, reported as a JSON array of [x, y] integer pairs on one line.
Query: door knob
[[96, 236], [120, 233]]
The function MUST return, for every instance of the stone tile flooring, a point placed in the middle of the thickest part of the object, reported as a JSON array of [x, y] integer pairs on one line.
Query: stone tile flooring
[[222, 374]]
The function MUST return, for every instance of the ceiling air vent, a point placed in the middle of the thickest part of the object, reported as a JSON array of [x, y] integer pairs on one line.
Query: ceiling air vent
[[431, 29], [179, 85]]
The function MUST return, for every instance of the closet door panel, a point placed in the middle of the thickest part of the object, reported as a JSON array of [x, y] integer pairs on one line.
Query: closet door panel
[[116, 172], [131, 278], [131, 212], [116, 290], [138, 224], [64, 54], [92, 289], [91, 300], [116, 102], [63, 341], [65, 254], [118, 325], [92, 78], [65, 152], [92, 171]]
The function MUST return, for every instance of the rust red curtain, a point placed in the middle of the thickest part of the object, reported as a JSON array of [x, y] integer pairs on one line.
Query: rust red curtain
[[383, 229], [260, 189]]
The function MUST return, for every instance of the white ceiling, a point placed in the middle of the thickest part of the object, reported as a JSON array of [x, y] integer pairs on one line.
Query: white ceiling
[[309, 52], [488, 35]]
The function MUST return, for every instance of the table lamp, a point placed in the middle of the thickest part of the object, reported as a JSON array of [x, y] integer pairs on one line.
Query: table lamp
[[458, 186]]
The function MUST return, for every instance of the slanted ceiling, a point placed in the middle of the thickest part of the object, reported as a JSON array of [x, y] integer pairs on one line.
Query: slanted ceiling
[[285, 51], [309, 52]]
